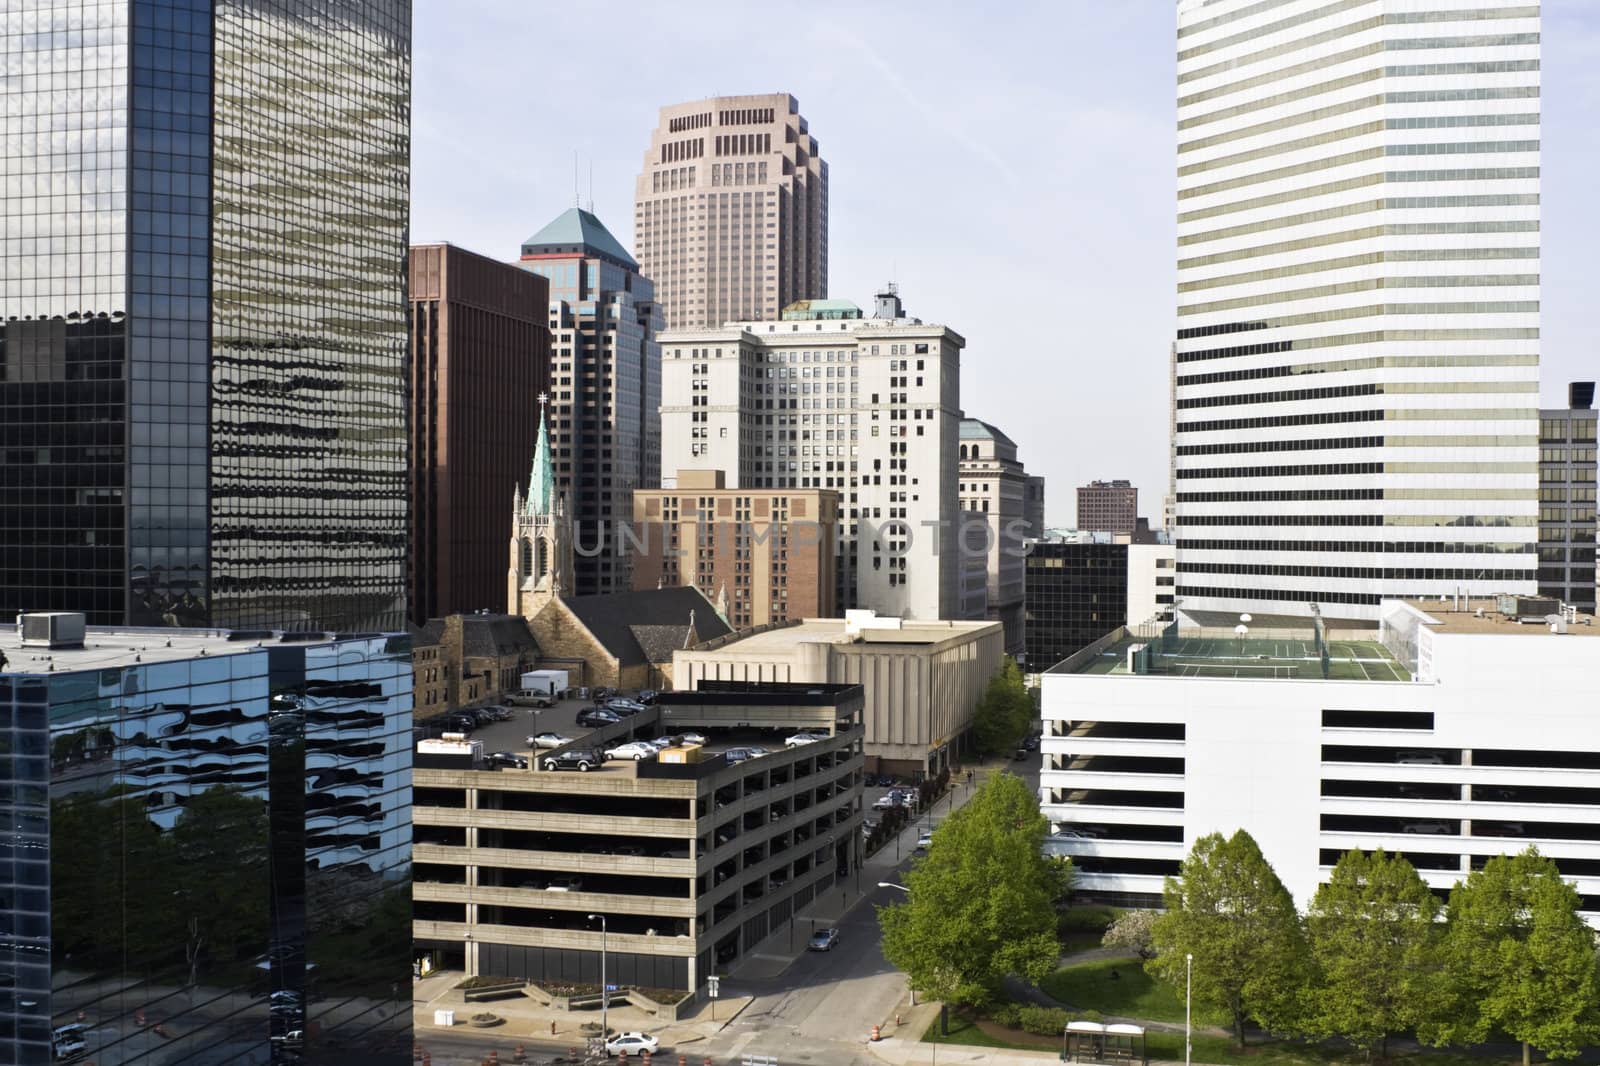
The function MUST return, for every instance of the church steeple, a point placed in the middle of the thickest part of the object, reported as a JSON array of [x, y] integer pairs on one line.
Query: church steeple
[[541, 546], [542, 482]]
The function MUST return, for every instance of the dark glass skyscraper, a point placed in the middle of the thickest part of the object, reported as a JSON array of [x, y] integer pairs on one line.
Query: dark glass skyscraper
[[208, 849], [203, 236]]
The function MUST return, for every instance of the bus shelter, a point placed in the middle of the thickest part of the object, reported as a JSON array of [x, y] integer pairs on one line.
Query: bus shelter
[[1094, 1042]]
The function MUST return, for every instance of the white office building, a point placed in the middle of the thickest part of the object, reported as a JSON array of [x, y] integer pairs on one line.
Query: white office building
[[1463, 730], [1357, 360], [830, 399]]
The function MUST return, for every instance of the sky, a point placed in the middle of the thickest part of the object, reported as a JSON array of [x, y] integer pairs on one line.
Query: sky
[[1012, 167]]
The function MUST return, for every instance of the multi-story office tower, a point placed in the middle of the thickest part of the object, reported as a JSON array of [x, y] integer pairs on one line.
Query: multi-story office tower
[[995, 487], [731, 211], [605, 379], [1108, 507], [1033, 505], [203, 312], [1080, 589], [1358, 302], [760, 556], [480, 356], [205, 820], [1566, 499], [829, 399]]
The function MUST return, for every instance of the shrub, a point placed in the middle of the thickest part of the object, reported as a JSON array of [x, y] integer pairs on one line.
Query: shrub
[[1094, 918], [1007, 1014], [1042, 1021]]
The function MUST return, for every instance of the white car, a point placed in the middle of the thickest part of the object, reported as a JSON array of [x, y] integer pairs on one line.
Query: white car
[[692, 738], [548, 740], [637, 750], [804, 738], [631, 1044]]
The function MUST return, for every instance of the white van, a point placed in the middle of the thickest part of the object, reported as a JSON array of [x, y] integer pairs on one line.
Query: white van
[[67, 1042]]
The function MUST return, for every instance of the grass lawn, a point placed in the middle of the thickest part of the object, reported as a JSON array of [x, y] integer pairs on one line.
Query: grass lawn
[[1135, 994]]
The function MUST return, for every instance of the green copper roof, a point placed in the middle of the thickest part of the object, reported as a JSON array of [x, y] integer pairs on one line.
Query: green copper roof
[[803, 310], [576, 229], [977, 429], [542, 483]]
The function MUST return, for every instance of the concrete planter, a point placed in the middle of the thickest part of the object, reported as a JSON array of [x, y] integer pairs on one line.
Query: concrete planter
[[488, 992]]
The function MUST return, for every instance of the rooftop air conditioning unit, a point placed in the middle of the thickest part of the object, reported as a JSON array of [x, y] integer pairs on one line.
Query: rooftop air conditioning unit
[[52, 629]]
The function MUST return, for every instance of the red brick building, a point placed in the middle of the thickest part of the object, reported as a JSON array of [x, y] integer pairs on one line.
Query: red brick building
[[480, 358]]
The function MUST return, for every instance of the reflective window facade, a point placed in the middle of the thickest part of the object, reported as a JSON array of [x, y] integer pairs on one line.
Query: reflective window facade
[[196, 834], [203, 209], [1076, 594]]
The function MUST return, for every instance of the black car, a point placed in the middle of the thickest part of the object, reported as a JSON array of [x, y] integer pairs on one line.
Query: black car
[[507, 758], [646, 696], [595, 717], [600, 693], [623, 708], [460, 723], [580, 759]]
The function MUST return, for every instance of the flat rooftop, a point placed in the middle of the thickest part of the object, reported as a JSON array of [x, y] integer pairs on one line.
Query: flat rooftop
[[782, 638], [1268, 658], [107, 647], [1445, 618]]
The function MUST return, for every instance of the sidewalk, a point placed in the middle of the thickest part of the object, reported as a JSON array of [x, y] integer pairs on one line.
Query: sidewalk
[[778, 951]]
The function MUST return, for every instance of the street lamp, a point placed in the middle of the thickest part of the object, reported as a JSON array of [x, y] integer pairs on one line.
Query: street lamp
[[891, 884], [1188, 988], [604, 998]]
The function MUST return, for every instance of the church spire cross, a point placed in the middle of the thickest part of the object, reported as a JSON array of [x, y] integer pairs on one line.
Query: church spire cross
[[541, 483]]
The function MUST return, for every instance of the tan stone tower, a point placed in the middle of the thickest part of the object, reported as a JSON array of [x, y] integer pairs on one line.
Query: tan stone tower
[[541, 542], [731, 211]]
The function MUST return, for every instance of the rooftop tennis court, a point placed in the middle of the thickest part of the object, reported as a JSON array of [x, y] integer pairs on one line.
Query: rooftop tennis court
[[1272, 658]]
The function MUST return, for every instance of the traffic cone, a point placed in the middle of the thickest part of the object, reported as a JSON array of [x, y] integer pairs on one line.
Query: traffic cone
[[876, 1033]]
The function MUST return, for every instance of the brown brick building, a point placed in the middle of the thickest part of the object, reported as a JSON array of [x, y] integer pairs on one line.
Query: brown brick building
[[1108, 507], [464, 660], [480, 357], [769, 552]]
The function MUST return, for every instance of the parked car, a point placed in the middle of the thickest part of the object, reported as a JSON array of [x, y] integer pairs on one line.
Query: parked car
[[736, 755], [600, 692], [501, 714], [884, 803], [548, 740], [459, 723], [533, 699], [508, 758], [564, 884], [636, 1044], [622, 710], [595, 717], [924, 842], [647, 696], [580, 759], [823, 940], [800, 739], [67, 1042], [1430, 827], [637, 750], [618, 703], [691, 737]]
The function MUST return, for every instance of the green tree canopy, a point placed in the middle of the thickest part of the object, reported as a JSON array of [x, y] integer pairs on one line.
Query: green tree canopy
[[1228, 909], [981, 903], [1004, 711], [1372, 935], [1518, 959]]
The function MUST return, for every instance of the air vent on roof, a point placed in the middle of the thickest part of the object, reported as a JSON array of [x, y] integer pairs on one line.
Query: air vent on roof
[[52, 629]]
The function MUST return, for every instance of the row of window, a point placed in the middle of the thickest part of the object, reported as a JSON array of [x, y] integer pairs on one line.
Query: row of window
[[1392, 229], [1368, 573], [1361, 547], [1463, 521], [1375, 363], [1390, 255], [1295, 445], [1375, 336]]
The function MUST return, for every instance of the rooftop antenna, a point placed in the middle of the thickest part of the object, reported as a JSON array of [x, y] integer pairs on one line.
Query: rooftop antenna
[[591, 186], [576, 202]]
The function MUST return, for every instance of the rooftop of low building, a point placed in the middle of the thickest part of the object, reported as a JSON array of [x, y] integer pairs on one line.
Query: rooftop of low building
[[112, 647], [780, 637], [1502, 616]]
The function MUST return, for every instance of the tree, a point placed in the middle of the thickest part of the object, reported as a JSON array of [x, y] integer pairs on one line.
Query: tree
[[1228, 909], [1004, 711], [980, 906], [1518, 959], [1372, 936], [1133, 930]]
